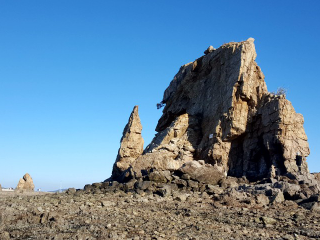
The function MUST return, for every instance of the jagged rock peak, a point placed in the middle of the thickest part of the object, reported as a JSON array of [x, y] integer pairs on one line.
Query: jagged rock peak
[[218, 109], [209, 50], [131, 144], [25, 183]]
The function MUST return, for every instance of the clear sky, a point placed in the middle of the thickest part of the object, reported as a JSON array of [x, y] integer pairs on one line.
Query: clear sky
[[72, 70]]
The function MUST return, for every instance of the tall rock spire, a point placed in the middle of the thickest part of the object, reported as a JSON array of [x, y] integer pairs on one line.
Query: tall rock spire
[[131, 144]]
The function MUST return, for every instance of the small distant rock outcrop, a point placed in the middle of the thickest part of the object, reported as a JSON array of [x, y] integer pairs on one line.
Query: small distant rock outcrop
[[25, 183], [0, 187]]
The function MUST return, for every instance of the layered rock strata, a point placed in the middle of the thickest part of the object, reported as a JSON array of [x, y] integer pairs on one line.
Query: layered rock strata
[[218, 110], [25, 183]]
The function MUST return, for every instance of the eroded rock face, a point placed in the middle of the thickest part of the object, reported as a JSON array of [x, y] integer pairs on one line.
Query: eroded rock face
[[25, 183], [170, 149], [131, 144], [275, 142], [218, 109]]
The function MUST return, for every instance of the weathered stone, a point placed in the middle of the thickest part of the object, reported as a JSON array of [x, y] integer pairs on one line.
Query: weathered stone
[[114, 183], [229, 182], [131, 144], [214, 189], [236, 195], [193, 184], [25, 183], [185, 176], [88, 188], [180, 183], [97, 185], [130, 185], [268, 220], [71, 191], [311, 203], [164, 190], [278, 197], [291, 191], [105, 203], [262, 199], [202, 173], [143, 185], [157, 177], [209, 50], [181, 197]]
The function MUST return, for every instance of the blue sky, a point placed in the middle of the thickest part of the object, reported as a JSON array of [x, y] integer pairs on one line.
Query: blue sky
[[71, 72]]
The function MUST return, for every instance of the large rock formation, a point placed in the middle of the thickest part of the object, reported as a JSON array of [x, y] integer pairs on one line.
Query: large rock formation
[[218, 109], [25, 183]]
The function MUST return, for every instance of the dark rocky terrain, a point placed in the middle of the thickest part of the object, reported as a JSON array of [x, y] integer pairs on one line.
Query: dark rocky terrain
[[114, 214]]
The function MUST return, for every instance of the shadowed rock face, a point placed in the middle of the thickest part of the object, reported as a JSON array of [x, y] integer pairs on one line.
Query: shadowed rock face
[[218, 109], [25, 183]]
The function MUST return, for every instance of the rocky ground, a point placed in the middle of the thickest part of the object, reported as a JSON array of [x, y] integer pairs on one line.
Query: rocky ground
[[117, 214]]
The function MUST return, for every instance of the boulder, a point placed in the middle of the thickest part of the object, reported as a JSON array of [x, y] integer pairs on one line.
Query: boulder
[[181, 197], [229, 182], [212, 189], [313, 206], [25, 183], [143, 185], [164, 191], [278, 197], [71, 191], [157, 176], [262, 199], [311, 203], [268, 220], [203, 173]]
